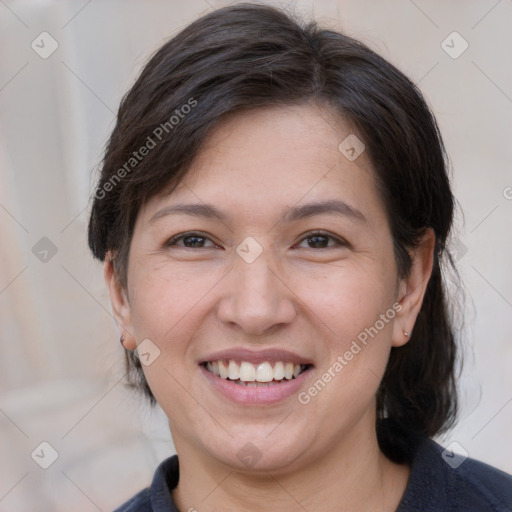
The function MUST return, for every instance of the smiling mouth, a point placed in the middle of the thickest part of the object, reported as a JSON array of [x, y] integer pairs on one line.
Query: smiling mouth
[[255, 375]]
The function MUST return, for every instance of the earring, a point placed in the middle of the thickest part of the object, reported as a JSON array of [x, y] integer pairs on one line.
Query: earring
[[406, 334], [121, 339]]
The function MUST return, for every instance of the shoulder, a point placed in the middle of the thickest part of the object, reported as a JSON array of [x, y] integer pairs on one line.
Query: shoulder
[[481, 483], [141, 502], [442, 480], [157, 497]]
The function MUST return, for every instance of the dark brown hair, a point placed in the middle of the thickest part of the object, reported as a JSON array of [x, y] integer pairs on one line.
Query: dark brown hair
[[248, 55]]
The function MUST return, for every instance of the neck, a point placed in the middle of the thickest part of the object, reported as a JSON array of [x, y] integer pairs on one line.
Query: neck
[[352, 476]]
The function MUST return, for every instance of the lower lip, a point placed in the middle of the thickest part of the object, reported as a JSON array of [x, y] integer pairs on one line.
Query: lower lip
[[258, 395]]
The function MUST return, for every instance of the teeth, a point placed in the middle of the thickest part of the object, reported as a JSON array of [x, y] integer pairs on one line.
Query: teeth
[[247, 372], [279, 371], [223, 371], [264, 372], [233, 371], [251, 375]]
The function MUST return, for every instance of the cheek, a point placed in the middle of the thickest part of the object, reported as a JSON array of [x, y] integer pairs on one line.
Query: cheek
[[165, 297], [162, 311], [351, 298], [357, 314], [169, 300], [171, 303], [168, 304]]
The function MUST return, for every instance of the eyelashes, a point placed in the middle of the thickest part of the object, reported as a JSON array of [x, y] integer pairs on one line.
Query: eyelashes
[[199, 238], [339, 242], [191, 234]]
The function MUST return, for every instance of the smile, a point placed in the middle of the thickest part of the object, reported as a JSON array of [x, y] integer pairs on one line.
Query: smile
[[263, 374]]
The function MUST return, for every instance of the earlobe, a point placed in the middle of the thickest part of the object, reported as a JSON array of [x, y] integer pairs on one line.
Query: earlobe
[[413, 287], [120, 304]]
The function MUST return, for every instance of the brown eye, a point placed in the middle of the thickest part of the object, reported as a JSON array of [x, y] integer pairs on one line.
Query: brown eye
[[320, 240], [190, 240]]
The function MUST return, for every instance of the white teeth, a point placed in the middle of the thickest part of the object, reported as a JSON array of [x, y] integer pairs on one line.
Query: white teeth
[[223, 371], [233, 371], [247, 372], [261, 374], [279, 371], [264, 372]]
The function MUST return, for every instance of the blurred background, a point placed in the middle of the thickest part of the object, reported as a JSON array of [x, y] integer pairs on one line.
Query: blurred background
[[64, 66]]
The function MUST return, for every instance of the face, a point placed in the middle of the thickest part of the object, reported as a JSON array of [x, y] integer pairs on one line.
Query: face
[[281, 270]]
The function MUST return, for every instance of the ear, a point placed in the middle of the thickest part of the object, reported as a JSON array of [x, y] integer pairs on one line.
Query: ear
[[413, 287], [120, 303]]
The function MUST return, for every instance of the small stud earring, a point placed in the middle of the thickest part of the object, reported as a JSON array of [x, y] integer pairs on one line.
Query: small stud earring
[[406, 334], [122, 338]]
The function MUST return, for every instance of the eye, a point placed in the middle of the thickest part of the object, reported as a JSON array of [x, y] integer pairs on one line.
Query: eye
[[196, 240], [191, 240], [320, 240]]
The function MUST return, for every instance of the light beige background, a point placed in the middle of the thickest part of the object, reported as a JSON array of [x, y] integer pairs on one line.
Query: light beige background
[[61, 363]]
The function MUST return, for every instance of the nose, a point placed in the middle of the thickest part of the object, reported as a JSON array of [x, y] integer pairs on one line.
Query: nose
[[257, 298]]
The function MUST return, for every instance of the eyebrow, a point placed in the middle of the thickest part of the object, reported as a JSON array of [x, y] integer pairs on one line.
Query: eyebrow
[[295, 213]]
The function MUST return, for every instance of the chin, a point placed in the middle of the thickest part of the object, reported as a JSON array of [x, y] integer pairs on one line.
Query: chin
[[259, 452]]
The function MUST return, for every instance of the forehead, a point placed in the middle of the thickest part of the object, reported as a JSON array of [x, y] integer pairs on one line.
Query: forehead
[[276, 156]]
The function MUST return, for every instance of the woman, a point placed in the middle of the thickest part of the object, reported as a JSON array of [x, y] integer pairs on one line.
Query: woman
[[272, 213]]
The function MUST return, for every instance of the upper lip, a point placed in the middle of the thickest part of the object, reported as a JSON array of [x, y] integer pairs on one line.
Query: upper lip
[[255, 357]]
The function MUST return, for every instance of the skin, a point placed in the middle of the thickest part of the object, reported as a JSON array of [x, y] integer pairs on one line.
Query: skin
[[306, 298]]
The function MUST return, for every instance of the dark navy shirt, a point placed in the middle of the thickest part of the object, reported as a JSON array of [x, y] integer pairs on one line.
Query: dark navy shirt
[[436, 484]]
